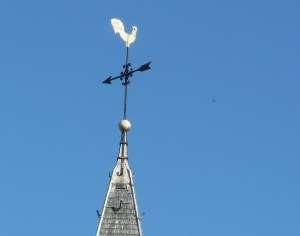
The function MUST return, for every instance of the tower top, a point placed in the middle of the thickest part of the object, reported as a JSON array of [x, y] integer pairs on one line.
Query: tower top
[[120, 215]]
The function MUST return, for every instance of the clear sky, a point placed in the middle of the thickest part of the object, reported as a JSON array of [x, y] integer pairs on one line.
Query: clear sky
[[215, 141]]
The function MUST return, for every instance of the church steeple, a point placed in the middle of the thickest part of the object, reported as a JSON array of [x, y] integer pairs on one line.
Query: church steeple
[[120, 215]]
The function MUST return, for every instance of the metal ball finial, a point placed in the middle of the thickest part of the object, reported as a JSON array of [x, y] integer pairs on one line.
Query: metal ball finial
[[124, 125]]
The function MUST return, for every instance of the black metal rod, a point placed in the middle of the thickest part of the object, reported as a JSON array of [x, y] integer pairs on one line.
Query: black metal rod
[[125, 102], [126, 84]]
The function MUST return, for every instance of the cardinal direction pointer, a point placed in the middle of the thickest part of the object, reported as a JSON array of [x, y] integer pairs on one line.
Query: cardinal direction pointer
[[127, 73]]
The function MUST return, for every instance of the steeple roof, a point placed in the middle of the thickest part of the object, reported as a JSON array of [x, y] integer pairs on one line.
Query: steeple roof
[[120, 216]]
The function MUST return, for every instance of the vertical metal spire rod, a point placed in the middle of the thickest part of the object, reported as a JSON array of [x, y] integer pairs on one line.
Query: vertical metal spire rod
[[125, 83]]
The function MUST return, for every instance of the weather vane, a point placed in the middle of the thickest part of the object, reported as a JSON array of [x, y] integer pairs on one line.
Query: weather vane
[[128, 71]]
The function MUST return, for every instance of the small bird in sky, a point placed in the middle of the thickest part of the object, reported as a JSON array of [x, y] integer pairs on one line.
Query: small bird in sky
[[119, 28]]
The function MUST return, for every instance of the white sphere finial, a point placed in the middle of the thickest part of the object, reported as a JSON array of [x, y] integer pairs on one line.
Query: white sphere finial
[[124, 125]]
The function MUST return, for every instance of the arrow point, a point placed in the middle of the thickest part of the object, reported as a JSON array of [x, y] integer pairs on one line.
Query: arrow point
[[107, 81]]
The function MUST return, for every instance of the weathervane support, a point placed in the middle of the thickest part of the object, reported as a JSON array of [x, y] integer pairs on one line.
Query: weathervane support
[[125, 83], [127, 72]]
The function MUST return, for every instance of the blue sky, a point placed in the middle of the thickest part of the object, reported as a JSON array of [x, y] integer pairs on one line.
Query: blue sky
[[215, 139]]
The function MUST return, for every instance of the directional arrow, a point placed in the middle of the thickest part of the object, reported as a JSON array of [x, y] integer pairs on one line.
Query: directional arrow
[[127, 73], [109, 79]]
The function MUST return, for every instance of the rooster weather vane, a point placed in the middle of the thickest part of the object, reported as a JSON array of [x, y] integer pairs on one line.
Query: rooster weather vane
[[128, 71]]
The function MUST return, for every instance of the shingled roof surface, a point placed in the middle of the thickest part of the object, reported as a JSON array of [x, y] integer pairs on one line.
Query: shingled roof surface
[[120, 213]]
